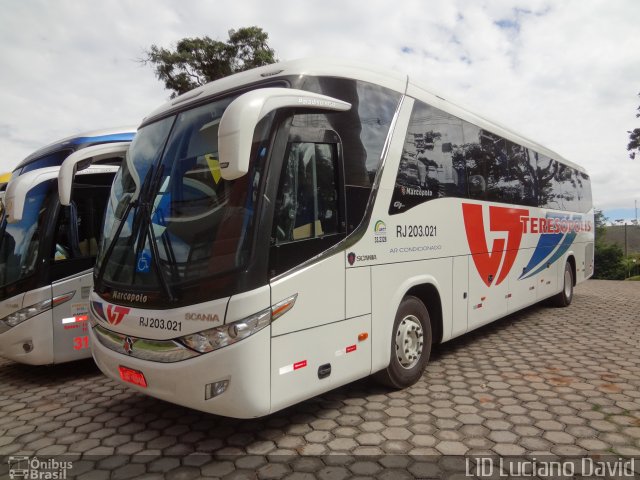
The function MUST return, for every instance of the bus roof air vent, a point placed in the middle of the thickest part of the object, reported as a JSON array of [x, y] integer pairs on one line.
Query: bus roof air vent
[[271, 73]]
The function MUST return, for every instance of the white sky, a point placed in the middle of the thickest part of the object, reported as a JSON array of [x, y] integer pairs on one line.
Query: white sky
[[566, 74]]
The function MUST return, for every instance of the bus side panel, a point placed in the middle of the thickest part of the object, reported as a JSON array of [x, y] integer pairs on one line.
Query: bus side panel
[[487, 298], [587, 240], [522, 291], [358, 285], [460, 295], [582, 251], [71, 319], [321, 293], [390, 283], [588, 265], [548, 280], [309, 362]]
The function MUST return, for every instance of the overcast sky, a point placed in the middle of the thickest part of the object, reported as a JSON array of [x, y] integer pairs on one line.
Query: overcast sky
[[564, 73]]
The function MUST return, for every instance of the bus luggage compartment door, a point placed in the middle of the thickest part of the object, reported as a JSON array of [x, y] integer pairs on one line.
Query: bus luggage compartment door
[[487, 297], [71, 318], [310, 362]]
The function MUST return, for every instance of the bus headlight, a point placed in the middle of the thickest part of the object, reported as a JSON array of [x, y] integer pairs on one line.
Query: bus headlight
[[26, 313], [215, 338]]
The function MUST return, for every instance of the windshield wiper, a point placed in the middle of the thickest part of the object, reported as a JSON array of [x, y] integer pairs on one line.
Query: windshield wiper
[[112, 245], [166, 242], [133, 203], [147, 213], [155, 253]]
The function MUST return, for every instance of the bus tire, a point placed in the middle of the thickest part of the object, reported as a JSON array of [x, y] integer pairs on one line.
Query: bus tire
[[563, 299], [410, 345]]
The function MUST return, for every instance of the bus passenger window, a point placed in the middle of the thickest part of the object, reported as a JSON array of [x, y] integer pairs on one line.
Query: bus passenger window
[[432, 165], [307, 201]]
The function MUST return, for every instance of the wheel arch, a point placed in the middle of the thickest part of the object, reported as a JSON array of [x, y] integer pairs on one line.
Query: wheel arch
[[429, 295], [393, 287], [571, 260]]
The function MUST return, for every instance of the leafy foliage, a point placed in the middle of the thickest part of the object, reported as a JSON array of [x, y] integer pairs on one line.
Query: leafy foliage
[[199, 60], [600, 223], [609, 262], [608, 257], [634, 139]]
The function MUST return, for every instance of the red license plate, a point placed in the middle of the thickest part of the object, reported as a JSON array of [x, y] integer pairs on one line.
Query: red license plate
[[132, 376]]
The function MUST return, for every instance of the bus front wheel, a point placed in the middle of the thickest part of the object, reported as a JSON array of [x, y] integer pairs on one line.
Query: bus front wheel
[[563, 299], [410, 345]]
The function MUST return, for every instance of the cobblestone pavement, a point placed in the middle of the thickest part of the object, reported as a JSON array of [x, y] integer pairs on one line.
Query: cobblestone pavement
[[545, 380]]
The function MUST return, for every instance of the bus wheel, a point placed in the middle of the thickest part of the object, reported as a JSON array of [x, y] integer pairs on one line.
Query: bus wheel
[[410, 345], [563, 299]]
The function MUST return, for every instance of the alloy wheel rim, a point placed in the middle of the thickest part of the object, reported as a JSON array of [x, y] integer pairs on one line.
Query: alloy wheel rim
[[409, 342]]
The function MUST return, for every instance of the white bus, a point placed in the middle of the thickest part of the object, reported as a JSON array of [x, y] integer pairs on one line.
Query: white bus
[[47, 249], [292, 228]]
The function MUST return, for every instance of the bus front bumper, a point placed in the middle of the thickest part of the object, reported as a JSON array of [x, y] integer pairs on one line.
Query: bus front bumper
[[243, 365], [30, 342]]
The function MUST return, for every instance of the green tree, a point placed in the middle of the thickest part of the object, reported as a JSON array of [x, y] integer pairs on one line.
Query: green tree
[[199, 60], [608, 257], [634, 139], [601, 225], [609, 262]]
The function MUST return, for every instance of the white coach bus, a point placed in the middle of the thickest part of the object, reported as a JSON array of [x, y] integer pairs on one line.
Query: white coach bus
[[48, 248], [289, 229]]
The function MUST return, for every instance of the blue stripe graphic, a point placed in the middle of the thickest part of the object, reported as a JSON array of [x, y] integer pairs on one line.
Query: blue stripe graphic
[[564, 246], [546, 243], [115, 137]]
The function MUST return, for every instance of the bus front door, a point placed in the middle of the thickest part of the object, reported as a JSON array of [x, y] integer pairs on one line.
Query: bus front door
[[313, 346], [71, 317]]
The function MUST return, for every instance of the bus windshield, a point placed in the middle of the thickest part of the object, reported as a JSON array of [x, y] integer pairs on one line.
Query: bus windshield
[[172, 218], [20, 241]]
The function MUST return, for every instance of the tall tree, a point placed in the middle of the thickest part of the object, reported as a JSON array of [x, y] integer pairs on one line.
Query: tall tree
[[600, 224], [608, 257], [634, 139], [199, 60]]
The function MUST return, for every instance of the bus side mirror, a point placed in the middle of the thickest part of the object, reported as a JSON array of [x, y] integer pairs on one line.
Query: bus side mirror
[[82, 159], [18, 188], [238, 123]]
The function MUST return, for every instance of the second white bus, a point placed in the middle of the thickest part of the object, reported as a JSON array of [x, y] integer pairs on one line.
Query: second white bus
[[48, 248]]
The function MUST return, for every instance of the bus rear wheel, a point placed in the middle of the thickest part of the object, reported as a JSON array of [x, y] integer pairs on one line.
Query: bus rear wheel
[[410, 345], [563, 299]]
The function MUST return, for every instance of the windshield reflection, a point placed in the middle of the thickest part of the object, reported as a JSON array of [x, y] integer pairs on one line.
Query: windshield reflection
[[20, 241], [172, 218]]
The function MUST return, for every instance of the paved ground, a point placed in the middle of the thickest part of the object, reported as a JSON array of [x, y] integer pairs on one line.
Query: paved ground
[[545, 380]]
